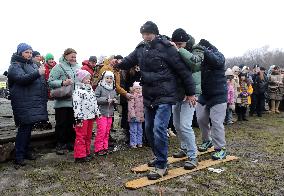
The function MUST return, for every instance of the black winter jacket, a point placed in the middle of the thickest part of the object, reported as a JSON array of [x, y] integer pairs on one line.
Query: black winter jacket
[[213, 79], [259, 86], [28, 91], [160, 66]]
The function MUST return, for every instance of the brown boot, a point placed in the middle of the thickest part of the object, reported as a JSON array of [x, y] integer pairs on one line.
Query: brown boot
[[277, 103], [272, 108]]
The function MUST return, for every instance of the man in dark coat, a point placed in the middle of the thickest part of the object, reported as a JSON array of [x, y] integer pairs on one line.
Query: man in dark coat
[[160, 66], [212, 103], [28, 93]]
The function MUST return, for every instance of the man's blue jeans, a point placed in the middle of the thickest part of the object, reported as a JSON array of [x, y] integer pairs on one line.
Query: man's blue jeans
[[156, 124]]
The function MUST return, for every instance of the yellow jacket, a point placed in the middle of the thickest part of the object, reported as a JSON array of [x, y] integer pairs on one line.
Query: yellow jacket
[[250, 91]]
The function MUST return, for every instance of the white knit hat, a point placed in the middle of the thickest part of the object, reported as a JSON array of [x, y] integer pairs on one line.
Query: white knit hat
[[108, 74], [229, 72], [136, 84], [236, 69]]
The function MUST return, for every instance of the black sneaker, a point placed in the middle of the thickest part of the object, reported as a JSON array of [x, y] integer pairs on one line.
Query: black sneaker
[[157, 173], [60, 149], [205, 145], [152, 162], [179, 154], [20, 162], [190, 164], [80, 160], [89, 158]]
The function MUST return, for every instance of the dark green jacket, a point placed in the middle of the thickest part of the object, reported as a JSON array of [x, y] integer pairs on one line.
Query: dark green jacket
[[194, 59]]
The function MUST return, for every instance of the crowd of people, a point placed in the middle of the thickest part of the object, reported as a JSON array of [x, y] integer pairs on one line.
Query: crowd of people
[[162, 78]]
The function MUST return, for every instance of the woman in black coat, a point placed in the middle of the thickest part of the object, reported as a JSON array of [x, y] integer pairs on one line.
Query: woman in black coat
[[28, 93]]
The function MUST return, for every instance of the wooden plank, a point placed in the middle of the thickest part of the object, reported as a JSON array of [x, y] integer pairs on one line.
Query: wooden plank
[[173, 173], [145, 167]]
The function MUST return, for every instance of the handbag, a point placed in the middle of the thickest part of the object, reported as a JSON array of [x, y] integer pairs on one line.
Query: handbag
[[63, 92]]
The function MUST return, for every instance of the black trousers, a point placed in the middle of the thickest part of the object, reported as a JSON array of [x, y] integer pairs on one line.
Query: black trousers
[[241, 112], [124, 120], [258, 103], [64, 131]]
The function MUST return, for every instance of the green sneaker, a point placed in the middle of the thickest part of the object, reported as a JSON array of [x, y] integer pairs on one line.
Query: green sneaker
[[219, 154], [205, 145]]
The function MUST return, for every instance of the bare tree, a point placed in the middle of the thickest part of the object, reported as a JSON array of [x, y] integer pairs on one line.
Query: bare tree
[[260, 56]]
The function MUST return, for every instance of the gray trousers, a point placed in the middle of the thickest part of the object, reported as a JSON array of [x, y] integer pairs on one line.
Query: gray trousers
[[182, 119], [217, 115]]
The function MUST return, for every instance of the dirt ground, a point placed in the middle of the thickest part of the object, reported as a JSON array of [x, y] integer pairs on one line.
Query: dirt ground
[[259, 143]]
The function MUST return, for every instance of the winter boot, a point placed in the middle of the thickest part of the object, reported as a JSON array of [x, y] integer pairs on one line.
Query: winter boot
[[157, 173], [191, 164], [277, 103], [180, 154], [272, 109], [205, 145]]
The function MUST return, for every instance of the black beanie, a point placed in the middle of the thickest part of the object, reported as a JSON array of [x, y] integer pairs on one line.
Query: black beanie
[[35, 53], [93, 59], [118, 57], [179, 35], [149, 27]]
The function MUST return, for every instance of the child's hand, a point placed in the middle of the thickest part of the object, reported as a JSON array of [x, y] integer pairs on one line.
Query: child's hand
[[133, 119]]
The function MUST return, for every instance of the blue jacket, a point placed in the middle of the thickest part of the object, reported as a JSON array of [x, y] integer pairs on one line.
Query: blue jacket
[[28, 91], [213, 79], [160, 66]]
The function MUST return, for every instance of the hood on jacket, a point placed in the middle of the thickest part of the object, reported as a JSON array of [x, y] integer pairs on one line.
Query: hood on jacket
[[17, 58]]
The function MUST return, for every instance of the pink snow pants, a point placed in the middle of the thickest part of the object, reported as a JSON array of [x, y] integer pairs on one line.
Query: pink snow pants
[[83, 139], [103, 131]]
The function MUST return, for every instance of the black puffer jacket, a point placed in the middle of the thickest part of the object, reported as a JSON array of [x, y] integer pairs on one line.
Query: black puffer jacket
[[160, 66], [213, 79], [259, 86], [28, 91]]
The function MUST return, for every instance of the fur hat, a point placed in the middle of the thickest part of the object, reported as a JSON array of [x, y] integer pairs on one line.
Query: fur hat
[[81, 74], [48, 56], [23, 47], [149, 27], [180, 35], [229, 72]]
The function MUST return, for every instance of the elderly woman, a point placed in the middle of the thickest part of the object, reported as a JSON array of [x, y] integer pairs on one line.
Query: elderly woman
[[28, 91], [64, 114]]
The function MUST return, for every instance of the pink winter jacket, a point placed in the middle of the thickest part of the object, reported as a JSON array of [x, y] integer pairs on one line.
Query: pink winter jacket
[[136, 108], [231, 93]]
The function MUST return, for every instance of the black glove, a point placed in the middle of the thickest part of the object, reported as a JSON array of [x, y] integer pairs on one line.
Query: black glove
[[77, 121], [205, 43]]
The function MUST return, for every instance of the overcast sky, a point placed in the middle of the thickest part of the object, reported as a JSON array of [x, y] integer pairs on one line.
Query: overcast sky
[[112, 27]]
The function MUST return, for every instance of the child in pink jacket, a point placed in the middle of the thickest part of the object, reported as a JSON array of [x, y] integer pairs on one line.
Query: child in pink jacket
[[231, 97], [136, 116]]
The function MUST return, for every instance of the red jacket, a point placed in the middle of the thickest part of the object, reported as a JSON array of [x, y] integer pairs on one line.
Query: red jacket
[[47, 69], [47, 72], [87, 67]]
